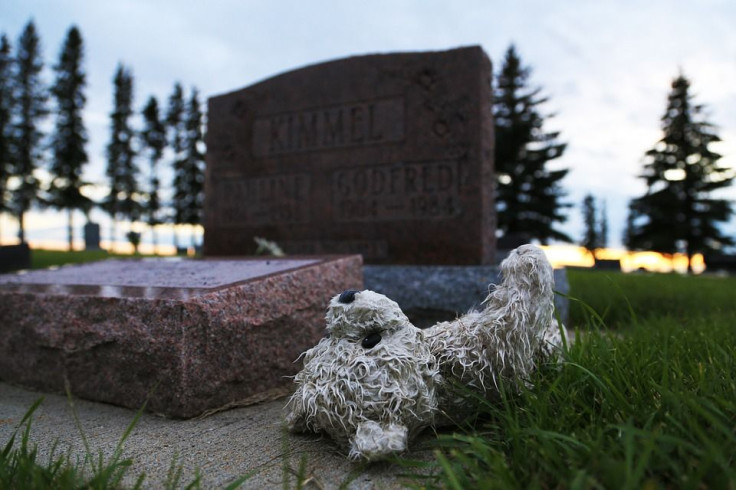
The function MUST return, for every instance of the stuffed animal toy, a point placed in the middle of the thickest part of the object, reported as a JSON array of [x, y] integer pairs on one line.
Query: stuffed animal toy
[[376, 381]]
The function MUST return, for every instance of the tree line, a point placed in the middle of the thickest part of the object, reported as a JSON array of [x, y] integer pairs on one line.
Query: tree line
[[26, 101], [677, 213]]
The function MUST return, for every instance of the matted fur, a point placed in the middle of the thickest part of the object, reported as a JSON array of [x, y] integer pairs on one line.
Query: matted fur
[[375, 400]]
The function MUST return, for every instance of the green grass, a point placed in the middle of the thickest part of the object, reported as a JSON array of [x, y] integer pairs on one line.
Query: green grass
[[651, 404], [622, 300], [20, 466], [645, 399], [41, 259]]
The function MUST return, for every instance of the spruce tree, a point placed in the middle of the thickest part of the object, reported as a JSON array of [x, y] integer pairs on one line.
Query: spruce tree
[[122, 201], [528, 194], [677, 212], [590, 239], [631, 218], [153, 137], [603, 226], [70, 136], [189, 184], [6, 111], [175, 126], [595, 224], [30, 94]]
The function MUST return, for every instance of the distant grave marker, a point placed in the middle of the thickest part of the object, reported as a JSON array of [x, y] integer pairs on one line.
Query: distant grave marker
[[91, 236], [15, 257], [389, 156]]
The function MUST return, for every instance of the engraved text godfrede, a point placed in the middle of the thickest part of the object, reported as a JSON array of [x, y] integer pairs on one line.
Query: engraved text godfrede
[[405, 191]]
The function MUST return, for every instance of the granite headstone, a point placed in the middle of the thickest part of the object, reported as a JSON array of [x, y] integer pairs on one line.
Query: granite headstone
[[387, 155], [15, 257], [91, 236], [185, 336]]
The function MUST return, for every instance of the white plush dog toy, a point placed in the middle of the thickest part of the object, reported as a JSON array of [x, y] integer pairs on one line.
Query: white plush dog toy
[[376, 380]]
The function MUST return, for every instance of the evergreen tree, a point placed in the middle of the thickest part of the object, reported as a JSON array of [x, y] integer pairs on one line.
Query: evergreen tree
[[70, 136], [603, 226], [189, 181], [6, 111], [122, 201], [153, 137], [31, 96], [595, 223], [631, 218], [677, 211], [528, 195], [175, 126], [590, 223]]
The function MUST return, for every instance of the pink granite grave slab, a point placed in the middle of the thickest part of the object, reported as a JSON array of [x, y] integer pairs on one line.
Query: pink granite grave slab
[[184, 335]]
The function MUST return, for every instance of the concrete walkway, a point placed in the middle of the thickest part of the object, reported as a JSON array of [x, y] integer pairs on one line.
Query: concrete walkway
[[223, 446]]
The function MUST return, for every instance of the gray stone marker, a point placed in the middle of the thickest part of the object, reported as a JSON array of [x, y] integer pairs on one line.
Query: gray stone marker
[[185, 335], [389, 156], [91, 236], [433, 293], [15, 257]]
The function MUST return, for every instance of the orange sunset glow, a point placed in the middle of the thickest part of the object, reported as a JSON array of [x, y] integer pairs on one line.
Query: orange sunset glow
[[571, 255]]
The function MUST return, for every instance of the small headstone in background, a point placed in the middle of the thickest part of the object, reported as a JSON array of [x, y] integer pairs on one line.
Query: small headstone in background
[[720, 263], [14, 258], [91, 236], [613, 265]]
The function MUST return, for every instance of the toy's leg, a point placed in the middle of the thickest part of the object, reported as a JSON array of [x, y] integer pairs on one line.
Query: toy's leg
[[374, 441], [517, 313], [525, 297]]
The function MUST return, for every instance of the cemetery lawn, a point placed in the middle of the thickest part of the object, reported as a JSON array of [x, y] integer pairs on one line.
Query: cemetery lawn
[[645, 399], [622, 301], [41, 259]]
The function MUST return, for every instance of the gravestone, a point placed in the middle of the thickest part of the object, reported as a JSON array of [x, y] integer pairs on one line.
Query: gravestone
[[613, 265], [15, 257], [434, 293], [91, 236], [185, 335], [389, 156]]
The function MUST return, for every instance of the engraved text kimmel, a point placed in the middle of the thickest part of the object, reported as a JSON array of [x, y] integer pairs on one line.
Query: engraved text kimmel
[[360, 123]]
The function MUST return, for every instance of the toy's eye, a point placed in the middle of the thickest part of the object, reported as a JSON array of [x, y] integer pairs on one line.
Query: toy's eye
[[371, 340]]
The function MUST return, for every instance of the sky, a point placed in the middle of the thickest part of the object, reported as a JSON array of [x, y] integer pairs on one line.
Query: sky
[[606, 66]]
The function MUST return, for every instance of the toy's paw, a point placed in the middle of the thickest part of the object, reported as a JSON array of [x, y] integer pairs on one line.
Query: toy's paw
[[374, 441], [295, 422], [294, 414]]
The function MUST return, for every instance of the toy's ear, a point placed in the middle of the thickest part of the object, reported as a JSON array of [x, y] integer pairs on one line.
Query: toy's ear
[[374, 441]]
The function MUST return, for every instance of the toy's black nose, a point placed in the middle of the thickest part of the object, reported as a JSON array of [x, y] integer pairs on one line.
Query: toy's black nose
[[347, 297], [371, 340]]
